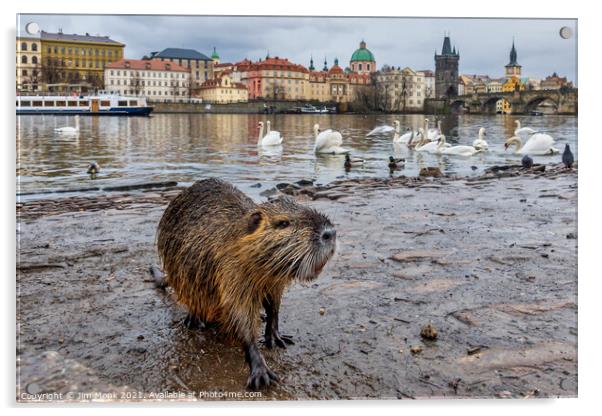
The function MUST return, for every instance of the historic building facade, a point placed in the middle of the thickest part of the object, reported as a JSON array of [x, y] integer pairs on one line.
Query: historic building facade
[[158, 81], [362, 60], [335, 84], [402, 90], [272, 78], [446, 70], [29, 63], [223, 90], [554, 82], [199, 65], [73, 58]]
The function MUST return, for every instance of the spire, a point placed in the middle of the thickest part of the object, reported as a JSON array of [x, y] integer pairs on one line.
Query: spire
[[325, 65], [362, 44], [336, 61], [311, 63], [446, 50], [214, 55], [513, 55], [268, 55]]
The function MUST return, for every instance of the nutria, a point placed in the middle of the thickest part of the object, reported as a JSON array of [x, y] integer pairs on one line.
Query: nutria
[[226, 257]]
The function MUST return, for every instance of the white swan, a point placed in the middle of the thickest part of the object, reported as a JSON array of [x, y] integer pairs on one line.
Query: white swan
[[523, 132], [426, 146], [404, 138], [538, 144], [465, 151], [433, 134], [328, 141], [272, 132], [69, 129], [272, 138], [384, 129], [480, 143]]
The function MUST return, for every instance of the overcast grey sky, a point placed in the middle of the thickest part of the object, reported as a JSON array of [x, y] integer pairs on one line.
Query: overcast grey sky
[[484, 44]]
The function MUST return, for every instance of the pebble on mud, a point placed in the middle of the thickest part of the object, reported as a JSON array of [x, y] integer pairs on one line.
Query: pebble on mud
[[416, 349], [435, 172], [429, 332], [322, 311]]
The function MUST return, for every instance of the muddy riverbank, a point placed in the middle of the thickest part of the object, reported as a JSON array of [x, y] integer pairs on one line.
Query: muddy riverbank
[[490, 262]]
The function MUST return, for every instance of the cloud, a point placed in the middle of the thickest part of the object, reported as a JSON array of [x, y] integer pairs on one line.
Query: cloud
[[484, 44]]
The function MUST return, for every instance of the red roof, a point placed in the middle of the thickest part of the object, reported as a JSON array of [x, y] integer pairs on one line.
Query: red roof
[[276, 63], [336, 70], [146, 64]]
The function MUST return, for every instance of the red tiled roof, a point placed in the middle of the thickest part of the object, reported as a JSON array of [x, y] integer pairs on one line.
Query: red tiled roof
[[146, 64]]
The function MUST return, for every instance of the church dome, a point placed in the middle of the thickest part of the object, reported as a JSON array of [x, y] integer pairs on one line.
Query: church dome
[[362, 54]]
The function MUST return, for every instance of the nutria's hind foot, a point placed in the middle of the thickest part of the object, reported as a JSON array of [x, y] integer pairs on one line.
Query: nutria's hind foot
[[260, 375], [193, 323], [274, 337]]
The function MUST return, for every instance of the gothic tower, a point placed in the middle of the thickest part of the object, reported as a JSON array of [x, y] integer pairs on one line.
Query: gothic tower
[[446, 70], [513, 69]]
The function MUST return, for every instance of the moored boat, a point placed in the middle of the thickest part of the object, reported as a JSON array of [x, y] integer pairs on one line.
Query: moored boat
[[93, 105]]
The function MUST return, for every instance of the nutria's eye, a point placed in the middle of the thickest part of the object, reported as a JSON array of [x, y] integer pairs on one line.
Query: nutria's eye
[[282, 224]]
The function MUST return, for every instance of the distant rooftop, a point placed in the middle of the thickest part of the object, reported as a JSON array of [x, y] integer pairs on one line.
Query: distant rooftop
[[179, 53], [78, 38]]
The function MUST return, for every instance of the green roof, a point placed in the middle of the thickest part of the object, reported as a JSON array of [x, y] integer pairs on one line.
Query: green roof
[[214, 55], [362, 54]]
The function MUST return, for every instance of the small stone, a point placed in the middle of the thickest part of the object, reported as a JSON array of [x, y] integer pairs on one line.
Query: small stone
[[322, 311], [571, 236], [416, 349], [257, 185], [434, 172], [429, 332]]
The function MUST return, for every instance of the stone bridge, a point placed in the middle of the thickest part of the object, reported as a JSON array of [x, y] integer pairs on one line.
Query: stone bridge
[[521, 102]]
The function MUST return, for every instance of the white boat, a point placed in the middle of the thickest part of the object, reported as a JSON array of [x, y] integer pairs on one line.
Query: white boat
[[93, 105]]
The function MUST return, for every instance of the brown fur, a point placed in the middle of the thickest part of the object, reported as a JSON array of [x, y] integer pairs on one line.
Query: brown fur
[[224, 255]]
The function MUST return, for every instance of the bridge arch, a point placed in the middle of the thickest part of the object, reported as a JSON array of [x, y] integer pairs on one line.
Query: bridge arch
[[458, 105], [534, 102], [488, 104]]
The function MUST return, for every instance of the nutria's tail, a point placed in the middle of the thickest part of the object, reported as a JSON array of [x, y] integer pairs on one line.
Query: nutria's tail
[[158, 276]]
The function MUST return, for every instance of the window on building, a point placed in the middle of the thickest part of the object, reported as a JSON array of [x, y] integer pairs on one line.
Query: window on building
[[34, 60], [23, 46], [24, 59], [34, 47], [24, 72]]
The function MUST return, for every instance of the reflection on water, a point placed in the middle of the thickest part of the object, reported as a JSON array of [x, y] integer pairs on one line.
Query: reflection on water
[[187, 147]]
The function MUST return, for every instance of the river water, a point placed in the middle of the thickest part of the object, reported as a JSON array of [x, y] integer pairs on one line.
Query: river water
[[188, 147]]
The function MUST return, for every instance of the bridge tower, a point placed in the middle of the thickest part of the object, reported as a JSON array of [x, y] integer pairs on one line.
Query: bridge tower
[[446, 70]]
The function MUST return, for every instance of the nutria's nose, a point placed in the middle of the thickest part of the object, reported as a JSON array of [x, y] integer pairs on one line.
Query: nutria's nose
[[329, 234]]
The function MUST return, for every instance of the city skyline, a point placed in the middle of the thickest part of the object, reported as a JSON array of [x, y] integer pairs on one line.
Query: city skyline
[[394, 41]]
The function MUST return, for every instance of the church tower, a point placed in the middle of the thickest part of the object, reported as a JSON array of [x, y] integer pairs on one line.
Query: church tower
[[513, 69], [446, 70]]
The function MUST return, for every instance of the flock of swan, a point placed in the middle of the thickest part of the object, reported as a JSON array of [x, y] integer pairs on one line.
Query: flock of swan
[[525, 140]]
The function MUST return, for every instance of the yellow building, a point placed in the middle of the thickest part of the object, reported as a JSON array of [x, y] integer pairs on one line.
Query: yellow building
[[223, 90], [503, 106], [29, 63], [73, 59], [513, 84]]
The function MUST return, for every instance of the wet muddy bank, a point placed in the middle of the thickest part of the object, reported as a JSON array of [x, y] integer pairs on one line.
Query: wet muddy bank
[[490, 262]]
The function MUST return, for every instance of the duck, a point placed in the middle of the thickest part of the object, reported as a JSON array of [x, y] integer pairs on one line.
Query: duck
[[379, 130], [69, 129], [93, 169], [527, 162], [567, 157], [538, 144], [394, 163], [523, 131], [462, 150], [328, 141], [350, 162], [272, 138], [480, 143]]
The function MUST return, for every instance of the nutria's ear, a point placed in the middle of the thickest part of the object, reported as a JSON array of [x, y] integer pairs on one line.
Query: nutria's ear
[[254, 221]]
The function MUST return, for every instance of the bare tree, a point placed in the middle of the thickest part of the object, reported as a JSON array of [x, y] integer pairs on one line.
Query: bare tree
[[52, 71], [136, 83]]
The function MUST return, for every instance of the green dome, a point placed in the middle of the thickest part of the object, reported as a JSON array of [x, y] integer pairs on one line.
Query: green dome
[[362, 54], [214, 55]]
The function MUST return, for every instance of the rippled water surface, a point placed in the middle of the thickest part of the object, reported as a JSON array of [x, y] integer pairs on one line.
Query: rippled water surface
[[187, 147]]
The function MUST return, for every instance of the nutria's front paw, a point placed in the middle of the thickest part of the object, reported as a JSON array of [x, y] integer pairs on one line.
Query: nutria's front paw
[[193, 323], [280, 340], [261, 376]]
